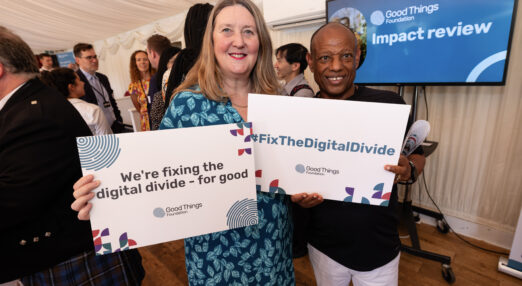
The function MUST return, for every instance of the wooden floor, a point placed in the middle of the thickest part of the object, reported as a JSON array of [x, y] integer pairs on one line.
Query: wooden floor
[[165, 264]]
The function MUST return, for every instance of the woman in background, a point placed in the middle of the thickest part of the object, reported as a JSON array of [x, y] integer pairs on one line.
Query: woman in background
[[195, 24], [67, 82], [140, 73]]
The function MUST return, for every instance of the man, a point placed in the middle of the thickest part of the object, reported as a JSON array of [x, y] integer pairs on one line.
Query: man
[[41, 240], [349, 241], [97, 87], [156, 44], [47, 62], [290, 65]]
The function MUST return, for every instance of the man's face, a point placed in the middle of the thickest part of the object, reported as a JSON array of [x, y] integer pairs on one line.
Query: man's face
[[88, 61], [332, 61], [282, 67], [153, 58], [47, 62]]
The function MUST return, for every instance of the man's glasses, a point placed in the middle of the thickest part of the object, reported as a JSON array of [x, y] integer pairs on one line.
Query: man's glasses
[[90, 58]]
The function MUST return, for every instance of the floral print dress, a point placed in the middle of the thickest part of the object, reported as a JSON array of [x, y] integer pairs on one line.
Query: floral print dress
[[254, 255], [140, 89]]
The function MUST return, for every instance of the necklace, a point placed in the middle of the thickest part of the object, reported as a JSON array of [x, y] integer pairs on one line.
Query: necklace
[[240, 106]]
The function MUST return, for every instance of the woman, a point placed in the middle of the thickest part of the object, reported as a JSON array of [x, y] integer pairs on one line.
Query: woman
[[195, 25], [236, 59], [140, 73], [67, 82]]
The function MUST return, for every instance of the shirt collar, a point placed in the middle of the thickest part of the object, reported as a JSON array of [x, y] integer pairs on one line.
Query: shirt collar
[[291, 84], [4, 100], [88, 75]]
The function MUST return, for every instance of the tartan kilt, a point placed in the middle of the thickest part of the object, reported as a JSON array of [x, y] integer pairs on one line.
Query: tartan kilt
[[120, 268]]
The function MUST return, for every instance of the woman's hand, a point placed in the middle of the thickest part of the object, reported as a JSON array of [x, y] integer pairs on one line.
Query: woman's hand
[[83, 194], [306, 200]]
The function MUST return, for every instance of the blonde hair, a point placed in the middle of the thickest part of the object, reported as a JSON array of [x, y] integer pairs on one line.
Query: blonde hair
[[206, 72]]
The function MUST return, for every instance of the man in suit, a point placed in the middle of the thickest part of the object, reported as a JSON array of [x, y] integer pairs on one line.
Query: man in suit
[[42, 241], [97, 87]]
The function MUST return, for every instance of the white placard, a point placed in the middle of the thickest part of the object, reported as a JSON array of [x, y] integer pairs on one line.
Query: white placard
[[171, 184], [336, 148]]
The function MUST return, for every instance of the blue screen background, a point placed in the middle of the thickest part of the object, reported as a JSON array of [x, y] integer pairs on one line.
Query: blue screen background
[[448, 59]]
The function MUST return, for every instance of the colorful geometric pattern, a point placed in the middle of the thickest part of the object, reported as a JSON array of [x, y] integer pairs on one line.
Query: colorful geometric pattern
[[349, 191], [378, 189], [275, 189], [125, 242], [259, 174], [242, 213], [100, 247], [241, 132], [98, 152], [105, 248]]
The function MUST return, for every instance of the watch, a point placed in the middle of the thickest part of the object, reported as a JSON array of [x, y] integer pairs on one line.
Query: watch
[[413, 175]]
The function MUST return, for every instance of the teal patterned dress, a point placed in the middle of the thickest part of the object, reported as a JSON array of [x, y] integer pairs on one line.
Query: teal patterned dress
[[254, 255]]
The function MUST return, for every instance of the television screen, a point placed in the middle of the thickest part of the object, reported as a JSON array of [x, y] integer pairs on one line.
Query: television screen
[[434, 42]]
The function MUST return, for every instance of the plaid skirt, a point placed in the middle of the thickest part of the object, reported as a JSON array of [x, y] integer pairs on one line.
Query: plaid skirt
[[121, 268]]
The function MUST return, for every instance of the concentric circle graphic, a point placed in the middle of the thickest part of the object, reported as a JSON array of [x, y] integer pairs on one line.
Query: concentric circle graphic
[[242, 213], [98, 152]]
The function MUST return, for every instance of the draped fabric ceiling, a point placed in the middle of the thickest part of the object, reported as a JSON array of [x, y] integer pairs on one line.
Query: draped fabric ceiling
[[59, 24]]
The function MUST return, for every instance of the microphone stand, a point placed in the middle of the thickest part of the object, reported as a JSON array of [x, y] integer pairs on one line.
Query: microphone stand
[[410, 219]]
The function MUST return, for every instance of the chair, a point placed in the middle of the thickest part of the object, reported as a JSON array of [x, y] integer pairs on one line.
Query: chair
[[135, 119]]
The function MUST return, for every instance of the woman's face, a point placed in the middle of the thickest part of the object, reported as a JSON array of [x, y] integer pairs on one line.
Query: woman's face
[[236, 42], [76, 89], [142, 62]]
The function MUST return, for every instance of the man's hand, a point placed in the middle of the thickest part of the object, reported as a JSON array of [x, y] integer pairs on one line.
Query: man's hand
[[306, 200], [402, 170]]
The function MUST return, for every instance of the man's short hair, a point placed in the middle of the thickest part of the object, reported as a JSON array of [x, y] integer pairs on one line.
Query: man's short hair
[[294, 53], [158, 43], [80, 47], [15, 54], [44, 55], [324, 26]]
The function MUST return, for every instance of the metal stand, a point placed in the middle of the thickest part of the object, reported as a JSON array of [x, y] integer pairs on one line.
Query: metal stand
[[409, 219]]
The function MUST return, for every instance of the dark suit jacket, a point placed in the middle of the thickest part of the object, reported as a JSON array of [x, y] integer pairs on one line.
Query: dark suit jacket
[[90, 96], [39, 164]]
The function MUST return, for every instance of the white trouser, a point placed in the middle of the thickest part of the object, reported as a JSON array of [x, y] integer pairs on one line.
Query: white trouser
[[330, 273]]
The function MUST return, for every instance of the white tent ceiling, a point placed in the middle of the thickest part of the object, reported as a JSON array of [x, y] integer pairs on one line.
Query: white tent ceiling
[[59, 24]]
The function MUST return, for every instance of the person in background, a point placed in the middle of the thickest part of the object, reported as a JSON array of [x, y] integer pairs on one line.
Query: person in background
[[363, 246], [140, 74], [42, 242], [290, 66], [73, 66], [195, 25], [97, 87], [156, 44], [68, 83], [46, 61], [157, 108], [236, 59]]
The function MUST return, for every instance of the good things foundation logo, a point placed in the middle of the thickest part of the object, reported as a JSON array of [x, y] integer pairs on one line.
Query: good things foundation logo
[[176, 210], [315, 170]]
